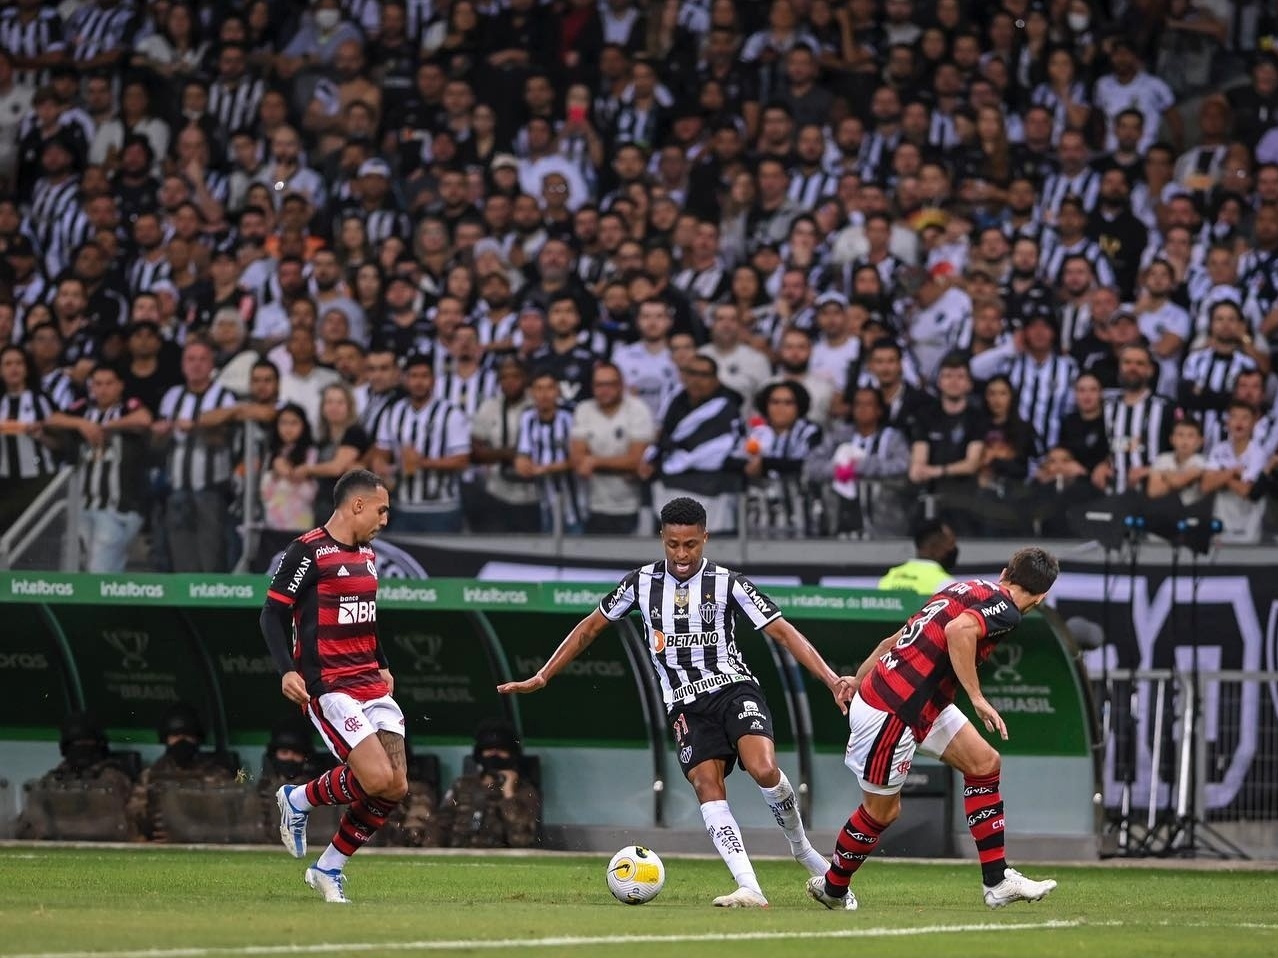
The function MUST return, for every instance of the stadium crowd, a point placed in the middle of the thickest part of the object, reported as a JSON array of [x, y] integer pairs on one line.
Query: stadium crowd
[[548, 264]]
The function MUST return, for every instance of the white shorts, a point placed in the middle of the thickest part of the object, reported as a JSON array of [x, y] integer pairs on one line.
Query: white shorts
[[881, 747], [344, 722]]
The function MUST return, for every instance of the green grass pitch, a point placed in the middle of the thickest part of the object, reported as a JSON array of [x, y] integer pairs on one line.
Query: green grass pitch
[[176, 903]]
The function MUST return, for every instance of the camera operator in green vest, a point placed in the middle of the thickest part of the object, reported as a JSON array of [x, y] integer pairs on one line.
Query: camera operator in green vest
[[935, 558]]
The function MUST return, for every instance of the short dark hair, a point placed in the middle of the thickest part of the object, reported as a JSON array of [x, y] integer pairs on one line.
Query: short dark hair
[[683, 511], [1190, 422], [356, 481], [929, 534], [1033, 569]]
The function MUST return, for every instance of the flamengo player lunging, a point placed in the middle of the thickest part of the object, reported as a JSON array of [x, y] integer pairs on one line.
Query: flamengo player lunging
[[905, 701], [320, 622], [714, 703]]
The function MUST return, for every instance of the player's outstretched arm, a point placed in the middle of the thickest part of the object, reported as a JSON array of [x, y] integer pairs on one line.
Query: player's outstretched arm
[[961, 637], [842, 687], [576, 642]]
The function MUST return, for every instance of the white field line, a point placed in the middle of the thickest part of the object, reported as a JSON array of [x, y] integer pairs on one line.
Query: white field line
[[471, 944]]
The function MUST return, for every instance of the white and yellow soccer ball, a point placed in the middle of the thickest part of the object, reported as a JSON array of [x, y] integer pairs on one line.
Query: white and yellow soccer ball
[[636, 875]]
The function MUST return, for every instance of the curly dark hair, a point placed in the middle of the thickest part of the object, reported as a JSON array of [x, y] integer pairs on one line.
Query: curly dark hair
[[683, 512], [1033, 569]]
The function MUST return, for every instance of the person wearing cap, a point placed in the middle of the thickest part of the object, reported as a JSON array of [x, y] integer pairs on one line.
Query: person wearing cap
[[181, 732], [378, 204], [86, 758], [492, 805]]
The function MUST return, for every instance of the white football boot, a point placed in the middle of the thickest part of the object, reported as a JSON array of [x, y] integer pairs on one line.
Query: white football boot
[[292, 822], [741, 898], [330, 884], [817, 892], [1016, 887]]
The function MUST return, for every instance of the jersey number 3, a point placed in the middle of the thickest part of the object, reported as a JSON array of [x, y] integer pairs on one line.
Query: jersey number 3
[[914, 628]]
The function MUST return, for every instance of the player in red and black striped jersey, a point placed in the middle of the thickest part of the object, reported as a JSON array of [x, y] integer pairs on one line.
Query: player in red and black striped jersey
[[905, 703], [320, 623]]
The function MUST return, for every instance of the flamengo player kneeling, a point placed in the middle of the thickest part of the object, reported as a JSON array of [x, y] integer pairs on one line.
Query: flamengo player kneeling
[[320, 623], [905, 701]]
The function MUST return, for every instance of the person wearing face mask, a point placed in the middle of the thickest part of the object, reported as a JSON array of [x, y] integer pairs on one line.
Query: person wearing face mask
[[86, 758], [181, 733], [317, 40], [936, 555], [493, 805]]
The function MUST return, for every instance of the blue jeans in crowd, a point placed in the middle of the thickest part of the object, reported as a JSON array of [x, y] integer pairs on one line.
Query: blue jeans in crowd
[[106, 536]]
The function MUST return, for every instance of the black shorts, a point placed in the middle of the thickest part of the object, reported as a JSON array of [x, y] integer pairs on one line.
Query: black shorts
[[710, 726]]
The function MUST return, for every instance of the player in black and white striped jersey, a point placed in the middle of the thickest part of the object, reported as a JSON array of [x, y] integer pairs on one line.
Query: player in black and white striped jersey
[[193, 420], [713, 701], [113, 457], [26, 463], [1208, 375], [1138, 423], [542, 454]]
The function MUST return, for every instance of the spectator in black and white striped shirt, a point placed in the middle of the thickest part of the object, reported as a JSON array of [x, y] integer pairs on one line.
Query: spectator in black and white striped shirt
[[1209, 374], [193, 422], [234, 95], [31, 32], [543, 454], [1138, 424], [113, 431], [423, 445], [26, 462], [1043, 378]]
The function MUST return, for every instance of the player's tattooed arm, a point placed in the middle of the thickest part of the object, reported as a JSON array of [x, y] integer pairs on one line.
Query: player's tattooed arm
[[394, 746]]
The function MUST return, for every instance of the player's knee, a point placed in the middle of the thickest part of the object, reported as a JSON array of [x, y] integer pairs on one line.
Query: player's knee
[[764, 772], [377, 781], [708, 788], [987, 764], [885, 809], [397, 790]]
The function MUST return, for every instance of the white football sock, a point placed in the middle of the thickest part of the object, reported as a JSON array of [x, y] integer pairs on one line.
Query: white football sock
[[785, 809], [332, 860], [297, 799], [726, 835]]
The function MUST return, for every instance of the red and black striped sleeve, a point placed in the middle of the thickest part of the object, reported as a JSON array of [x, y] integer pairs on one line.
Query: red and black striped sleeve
[[297, 572]]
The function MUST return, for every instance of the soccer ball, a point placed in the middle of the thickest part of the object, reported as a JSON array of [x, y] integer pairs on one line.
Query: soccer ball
[[635, 875]]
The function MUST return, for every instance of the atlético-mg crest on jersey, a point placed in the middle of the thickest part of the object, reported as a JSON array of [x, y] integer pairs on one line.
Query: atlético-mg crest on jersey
[[708, 610], [685, 754]]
